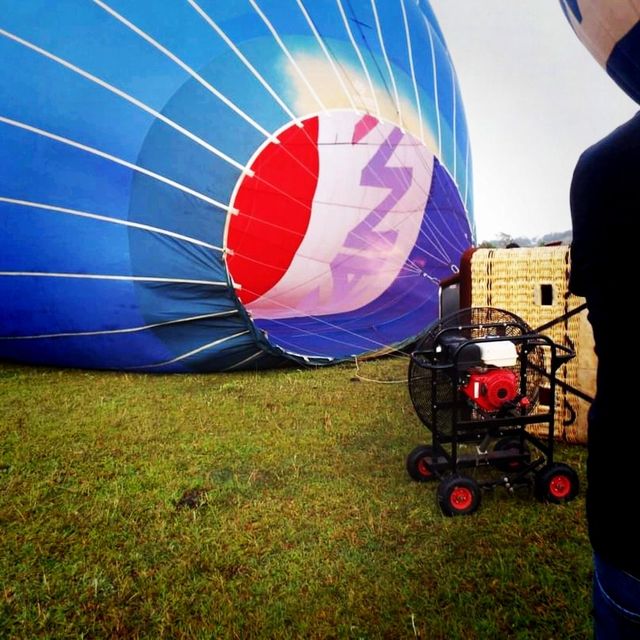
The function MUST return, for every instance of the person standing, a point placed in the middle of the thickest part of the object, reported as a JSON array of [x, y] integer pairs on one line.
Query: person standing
[[605, 210]]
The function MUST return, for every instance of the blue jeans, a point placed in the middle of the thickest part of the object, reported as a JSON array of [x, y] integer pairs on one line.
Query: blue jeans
[[616, 603]]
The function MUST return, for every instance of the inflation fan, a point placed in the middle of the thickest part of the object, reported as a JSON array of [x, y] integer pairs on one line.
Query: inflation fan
[[484, 384]]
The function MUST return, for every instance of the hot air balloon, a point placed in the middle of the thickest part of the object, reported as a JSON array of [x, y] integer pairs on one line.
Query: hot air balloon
[[197, 185], [611, 32]]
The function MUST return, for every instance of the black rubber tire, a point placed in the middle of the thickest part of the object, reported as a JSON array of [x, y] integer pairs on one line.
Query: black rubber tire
[[458, 495], [419, 463], [505, 444], [557, 483]]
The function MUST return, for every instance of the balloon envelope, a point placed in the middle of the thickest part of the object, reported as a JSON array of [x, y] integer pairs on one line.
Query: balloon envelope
[[205, 185], [611, 32]]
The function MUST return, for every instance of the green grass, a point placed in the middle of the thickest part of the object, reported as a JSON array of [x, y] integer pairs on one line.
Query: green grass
[[260, 505]]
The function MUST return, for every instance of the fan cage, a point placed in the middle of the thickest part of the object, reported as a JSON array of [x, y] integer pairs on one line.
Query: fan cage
[[432, 390]]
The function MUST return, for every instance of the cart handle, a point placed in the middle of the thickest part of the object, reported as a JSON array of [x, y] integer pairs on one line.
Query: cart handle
[[561, 356]]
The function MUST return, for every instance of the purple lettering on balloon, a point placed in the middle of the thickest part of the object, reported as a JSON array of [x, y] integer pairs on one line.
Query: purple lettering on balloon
[[378, 174], [349, 267]]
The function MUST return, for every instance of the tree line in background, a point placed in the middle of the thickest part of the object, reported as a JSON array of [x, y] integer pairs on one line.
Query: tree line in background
[[503, 240]]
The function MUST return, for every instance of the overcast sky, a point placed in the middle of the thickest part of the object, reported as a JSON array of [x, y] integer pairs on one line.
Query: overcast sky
[[534, 99]]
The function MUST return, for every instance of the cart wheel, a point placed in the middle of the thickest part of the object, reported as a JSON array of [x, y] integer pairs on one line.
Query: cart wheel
[[557, 483], [458, 495], [419, 463], [507, 444]]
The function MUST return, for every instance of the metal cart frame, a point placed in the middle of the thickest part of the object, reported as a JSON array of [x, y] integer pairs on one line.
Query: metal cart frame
[[501, 439]]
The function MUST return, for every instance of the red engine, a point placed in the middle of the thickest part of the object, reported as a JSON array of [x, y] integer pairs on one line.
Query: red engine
[[492, 389]]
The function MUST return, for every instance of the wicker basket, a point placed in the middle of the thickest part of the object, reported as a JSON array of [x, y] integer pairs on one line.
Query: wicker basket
[[534, 284]]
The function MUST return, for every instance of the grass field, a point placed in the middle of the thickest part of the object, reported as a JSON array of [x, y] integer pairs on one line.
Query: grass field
[[260, 505]]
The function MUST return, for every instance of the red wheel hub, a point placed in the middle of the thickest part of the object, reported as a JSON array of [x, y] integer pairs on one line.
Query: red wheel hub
[[423, 468], [560, 486], [461, 498]]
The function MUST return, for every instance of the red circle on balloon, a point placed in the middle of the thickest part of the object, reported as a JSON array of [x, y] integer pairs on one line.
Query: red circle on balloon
[[274, 208]]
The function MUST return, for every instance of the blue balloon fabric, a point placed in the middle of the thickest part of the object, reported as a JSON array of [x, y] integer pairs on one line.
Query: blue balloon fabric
[[197, 185], [611, 32]]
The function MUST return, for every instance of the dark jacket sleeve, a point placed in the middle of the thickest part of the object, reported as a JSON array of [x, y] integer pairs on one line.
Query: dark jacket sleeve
[[584, 202]]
